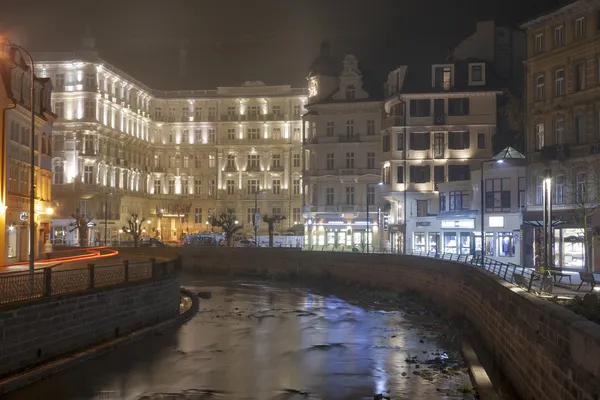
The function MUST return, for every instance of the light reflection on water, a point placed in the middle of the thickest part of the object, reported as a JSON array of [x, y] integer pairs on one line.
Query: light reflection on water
[[253, 341]]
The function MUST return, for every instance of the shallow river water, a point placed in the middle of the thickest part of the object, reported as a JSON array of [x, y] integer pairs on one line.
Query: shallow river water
[[256, 340]]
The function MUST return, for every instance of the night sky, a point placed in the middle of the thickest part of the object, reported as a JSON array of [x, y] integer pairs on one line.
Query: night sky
[[231, 41]]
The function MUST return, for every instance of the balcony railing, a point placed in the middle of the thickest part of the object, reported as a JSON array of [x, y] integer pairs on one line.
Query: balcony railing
[[393, 120]]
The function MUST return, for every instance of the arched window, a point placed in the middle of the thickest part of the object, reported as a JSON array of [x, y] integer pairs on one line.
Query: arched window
[[350, 92]]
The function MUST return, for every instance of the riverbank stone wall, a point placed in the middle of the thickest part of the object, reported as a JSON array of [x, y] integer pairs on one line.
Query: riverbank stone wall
[[39, 331], [546, 351]]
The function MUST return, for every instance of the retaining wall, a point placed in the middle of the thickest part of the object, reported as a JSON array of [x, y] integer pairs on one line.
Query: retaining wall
[[546, 351], [40, 330]]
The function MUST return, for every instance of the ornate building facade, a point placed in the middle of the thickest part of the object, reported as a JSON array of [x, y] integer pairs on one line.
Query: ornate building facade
[[174, 157], [563, 132], [15, 121], [342, 155]]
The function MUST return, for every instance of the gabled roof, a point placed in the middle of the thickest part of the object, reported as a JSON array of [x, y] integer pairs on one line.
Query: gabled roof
[[419, 77]]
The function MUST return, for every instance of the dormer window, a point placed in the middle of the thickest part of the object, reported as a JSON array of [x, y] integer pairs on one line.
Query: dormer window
[[477, 74], [443, 77], [350, 92]]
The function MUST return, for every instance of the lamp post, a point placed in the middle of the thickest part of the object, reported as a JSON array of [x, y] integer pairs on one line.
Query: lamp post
[[368, 204], [547, 204], [32, 158], [256, 215]]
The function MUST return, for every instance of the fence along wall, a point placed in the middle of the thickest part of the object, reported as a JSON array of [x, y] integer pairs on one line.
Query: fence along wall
[[547, 351], [119, 301]]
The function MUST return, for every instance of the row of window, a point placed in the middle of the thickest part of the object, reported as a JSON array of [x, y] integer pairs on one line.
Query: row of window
[[349, 195], [296, 214], [253, 186], [232, 134], [579, 81], [350, 131], [252, 162], [422, 174], [198, 112], [19, 175], [563, 190], [456, 107], [558, 37], [579, 131], [20, 133], [457, 140], [350, 160]]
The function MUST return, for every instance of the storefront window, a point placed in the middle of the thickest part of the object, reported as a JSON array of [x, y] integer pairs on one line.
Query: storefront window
[[321, 238], [465, 243], [573, 256], [489, 245], [450, 243], [434, 240], [357, 238], [420, 242], [477, 240], [505, 244], [341, 238], [330, 238], [349, 238]]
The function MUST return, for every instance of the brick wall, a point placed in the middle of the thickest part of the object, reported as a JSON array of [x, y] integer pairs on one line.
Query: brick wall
[[37, 332], [545, 350]]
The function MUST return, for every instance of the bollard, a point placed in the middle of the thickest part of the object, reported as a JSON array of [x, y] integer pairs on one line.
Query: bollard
[[153, 265], [47, 282], [126, 265], [91, 269]]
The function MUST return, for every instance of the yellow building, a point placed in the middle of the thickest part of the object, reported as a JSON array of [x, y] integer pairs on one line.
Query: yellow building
[[15, 121]]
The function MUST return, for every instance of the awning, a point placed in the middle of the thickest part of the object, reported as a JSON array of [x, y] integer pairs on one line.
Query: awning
[[536, 218]]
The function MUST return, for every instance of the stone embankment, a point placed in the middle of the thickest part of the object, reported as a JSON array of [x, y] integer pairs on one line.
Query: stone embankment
[[546, 351]]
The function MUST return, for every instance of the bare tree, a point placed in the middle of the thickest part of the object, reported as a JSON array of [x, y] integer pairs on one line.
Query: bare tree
[[271, 221], [228, 224], [577, 186], [80, 224], [134, 227]]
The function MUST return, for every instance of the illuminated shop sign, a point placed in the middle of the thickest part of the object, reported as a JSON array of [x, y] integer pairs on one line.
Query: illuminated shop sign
[[458, 224]]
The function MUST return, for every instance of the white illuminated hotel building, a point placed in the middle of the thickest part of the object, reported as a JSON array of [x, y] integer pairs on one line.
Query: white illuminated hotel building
[[175, 157]]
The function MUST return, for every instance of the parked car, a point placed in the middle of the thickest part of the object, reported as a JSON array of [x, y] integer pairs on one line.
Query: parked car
[[246, 243], [152, 242]]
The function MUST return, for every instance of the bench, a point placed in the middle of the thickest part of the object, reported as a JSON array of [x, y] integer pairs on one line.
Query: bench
[[587, 277], [560, 275]]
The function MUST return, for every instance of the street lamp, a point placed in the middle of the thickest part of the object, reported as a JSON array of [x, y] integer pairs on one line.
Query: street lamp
[[32, 158], [256, 214], [547, 204], [368, 204]]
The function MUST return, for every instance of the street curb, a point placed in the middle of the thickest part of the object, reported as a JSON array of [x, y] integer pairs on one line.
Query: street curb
[[482, 382], [38, 373]]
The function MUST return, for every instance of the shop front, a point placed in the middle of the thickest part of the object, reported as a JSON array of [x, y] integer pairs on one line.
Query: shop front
[[568, 240], [503, 237], [332, 234], [435, 235]]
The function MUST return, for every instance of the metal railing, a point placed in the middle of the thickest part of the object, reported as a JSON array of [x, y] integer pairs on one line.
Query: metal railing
[[513, 273], [44, 283], [525, 277]]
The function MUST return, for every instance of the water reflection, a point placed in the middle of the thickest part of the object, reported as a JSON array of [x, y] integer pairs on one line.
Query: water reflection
[[253, 341]]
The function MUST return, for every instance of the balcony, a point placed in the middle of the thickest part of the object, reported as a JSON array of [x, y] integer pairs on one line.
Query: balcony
[[276, 168], [393, 120], [348, 171], [254, 117], [253, 168], [230, 169], [89, 153], [230, 117], [554, 153], [349, 139]]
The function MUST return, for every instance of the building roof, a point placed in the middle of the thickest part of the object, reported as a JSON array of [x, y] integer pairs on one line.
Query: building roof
[[324, 64], [572, 6], [419, 77], [509, 153]]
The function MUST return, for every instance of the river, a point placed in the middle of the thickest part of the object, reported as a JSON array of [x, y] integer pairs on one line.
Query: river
[[256, 340]]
